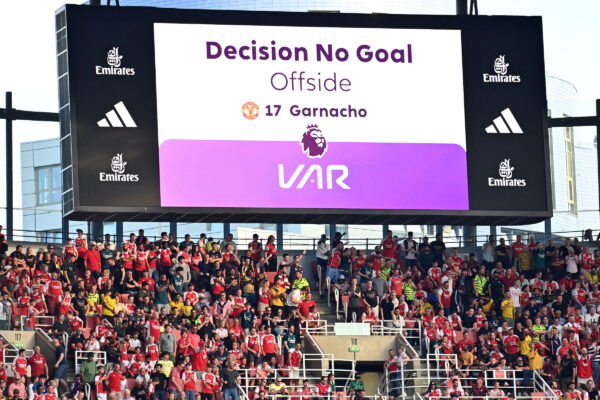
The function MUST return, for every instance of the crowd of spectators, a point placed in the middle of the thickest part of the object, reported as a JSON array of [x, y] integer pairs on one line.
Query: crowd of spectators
[[179, 320], [191, 319], [530, 307]]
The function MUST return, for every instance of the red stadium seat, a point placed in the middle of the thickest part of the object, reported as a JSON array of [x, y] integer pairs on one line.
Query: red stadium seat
[[123, 297], [271, 276], [458, 336], [90, 322], [473, 336], [345, 300], [177, 333], [280, 359], [538, 396], [130, 383], [199, 386]]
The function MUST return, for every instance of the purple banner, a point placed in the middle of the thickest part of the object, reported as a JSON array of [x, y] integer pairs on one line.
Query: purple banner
[[259, 174]]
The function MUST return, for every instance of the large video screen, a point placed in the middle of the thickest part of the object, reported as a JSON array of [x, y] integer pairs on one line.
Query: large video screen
[[303, 116]]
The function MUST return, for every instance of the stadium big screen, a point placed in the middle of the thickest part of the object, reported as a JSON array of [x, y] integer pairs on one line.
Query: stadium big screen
[[302, 117]]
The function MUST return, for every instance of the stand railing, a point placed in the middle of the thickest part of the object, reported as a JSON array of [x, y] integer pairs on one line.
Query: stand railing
[[328, 363], [81, 355], [41, 321], [412, 380]]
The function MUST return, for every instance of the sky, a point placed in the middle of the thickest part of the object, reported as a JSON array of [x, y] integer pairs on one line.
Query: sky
[[28, 63]]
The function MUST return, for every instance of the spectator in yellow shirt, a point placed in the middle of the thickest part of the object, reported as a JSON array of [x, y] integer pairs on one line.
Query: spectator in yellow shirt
[[109, 302], [525, 344], [508, 310], [535, 360]]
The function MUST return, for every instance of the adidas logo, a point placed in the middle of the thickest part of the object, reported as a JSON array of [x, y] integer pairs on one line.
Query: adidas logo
[[118, 117], [505, 123]]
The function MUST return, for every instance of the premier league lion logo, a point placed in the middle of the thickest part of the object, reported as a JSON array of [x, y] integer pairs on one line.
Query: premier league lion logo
[[313, 143]]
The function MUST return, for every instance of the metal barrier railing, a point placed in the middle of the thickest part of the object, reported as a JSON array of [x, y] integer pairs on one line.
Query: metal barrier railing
[[311, 243], [81, 356], [320, 279], [317, 327], [41, 321], [413, 334], [343, 376], [413, 379], [87, 389], [11, 354]]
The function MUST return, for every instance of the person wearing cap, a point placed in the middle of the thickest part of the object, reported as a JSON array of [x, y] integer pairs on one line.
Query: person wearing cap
[[356, 385]]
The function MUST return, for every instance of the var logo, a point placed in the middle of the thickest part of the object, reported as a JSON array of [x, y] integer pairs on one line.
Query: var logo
[[314, 173]]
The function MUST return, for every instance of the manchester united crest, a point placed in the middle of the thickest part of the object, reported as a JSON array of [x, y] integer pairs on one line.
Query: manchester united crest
[[250, 110]]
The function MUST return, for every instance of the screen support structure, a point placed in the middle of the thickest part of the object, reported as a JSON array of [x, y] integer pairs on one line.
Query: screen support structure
[[469, 231], [583, 121], [10, 114]]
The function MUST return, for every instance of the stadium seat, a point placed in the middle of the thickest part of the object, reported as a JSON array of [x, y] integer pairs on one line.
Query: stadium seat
[[294, 395], [570, 311], [280, 359], [90, 322], [472, 336], [538, 396], [177, 333], [199, 386], [345, 300], [271, 276], [130, 383], [458, 336], [314, 268], [123, 297]]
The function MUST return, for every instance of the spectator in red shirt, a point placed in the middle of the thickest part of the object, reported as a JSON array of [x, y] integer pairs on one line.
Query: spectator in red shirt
[[114, 380], [37, 362], [91, 260], [306, 304]]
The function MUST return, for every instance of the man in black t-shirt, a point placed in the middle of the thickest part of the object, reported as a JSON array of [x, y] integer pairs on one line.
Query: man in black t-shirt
[[160, 382], [386, 306], [80, 304], [468, 319], [371, 297], [229, 379], [438, 248]]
